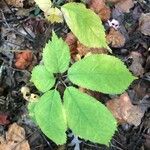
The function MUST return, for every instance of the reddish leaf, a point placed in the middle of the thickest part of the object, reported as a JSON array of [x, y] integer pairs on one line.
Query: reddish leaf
[[4, 119]]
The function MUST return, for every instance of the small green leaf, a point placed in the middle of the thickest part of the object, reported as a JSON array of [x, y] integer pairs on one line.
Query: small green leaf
[[56, 55], [88, 118], [101, 73], [85, 25], [31, 107], [42, 79], [50, 116]]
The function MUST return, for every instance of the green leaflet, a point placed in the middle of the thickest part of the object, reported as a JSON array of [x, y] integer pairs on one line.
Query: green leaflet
[[88, 118], [50, 116], [31, 107], [101, 73], [42, 79], [56, 55], [85, 24]]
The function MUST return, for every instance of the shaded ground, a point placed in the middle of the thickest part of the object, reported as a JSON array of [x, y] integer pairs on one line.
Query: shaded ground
[[24, 29]]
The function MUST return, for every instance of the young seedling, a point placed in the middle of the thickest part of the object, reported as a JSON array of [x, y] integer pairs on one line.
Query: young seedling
[[84, 115]]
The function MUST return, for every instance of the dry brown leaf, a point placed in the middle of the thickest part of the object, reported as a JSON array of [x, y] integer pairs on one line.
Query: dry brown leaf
[[124, 111], [96, 5], [83, 50], [114, 1], [104, 13], [100, 8], [144, 24], [15, 3], [23, 59], [115, 38], [125, 5], [136, 66], [71, 40], [15, 139]]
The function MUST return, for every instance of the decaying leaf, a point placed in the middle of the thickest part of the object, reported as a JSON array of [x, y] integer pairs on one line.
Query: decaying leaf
[[104, 13], [115, 38], [4, 119], [96, 5], [100, 8], [71, 40], [55, 15], [136, 66], [113, 1], [15, 139], [124, 111], [125, 5], [83, 50], [23, 59], [15, 3], [144, 24]]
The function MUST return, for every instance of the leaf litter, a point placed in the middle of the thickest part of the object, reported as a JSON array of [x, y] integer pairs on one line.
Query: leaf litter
[[130, 42]]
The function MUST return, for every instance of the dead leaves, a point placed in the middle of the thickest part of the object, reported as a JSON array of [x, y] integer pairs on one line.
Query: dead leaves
[[137, 62], [23, 59], [124, 111], [83, 50], [78, 50], [15, 3], [144, 24], [100, 8], [125, 5], [115, 38], [4, 119], [15, 139]]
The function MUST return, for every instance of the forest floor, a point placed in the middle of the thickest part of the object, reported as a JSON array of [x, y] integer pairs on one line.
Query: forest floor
[[24, 32]]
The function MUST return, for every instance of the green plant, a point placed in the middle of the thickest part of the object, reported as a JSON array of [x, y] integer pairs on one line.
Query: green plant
[[85, 116], [83, 22]]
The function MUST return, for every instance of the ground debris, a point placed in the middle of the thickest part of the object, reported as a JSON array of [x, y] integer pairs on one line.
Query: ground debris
[[124, 111], [144, 24], [15, 139]]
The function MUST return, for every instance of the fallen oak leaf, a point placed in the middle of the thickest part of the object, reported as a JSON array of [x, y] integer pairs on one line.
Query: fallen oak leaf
[[124, 111]]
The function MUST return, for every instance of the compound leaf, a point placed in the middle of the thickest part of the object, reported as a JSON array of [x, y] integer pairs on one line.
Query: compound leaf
[[85, 25], [42, 79], [56, 55], [50, 116], [88, 118], [101, 73]]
